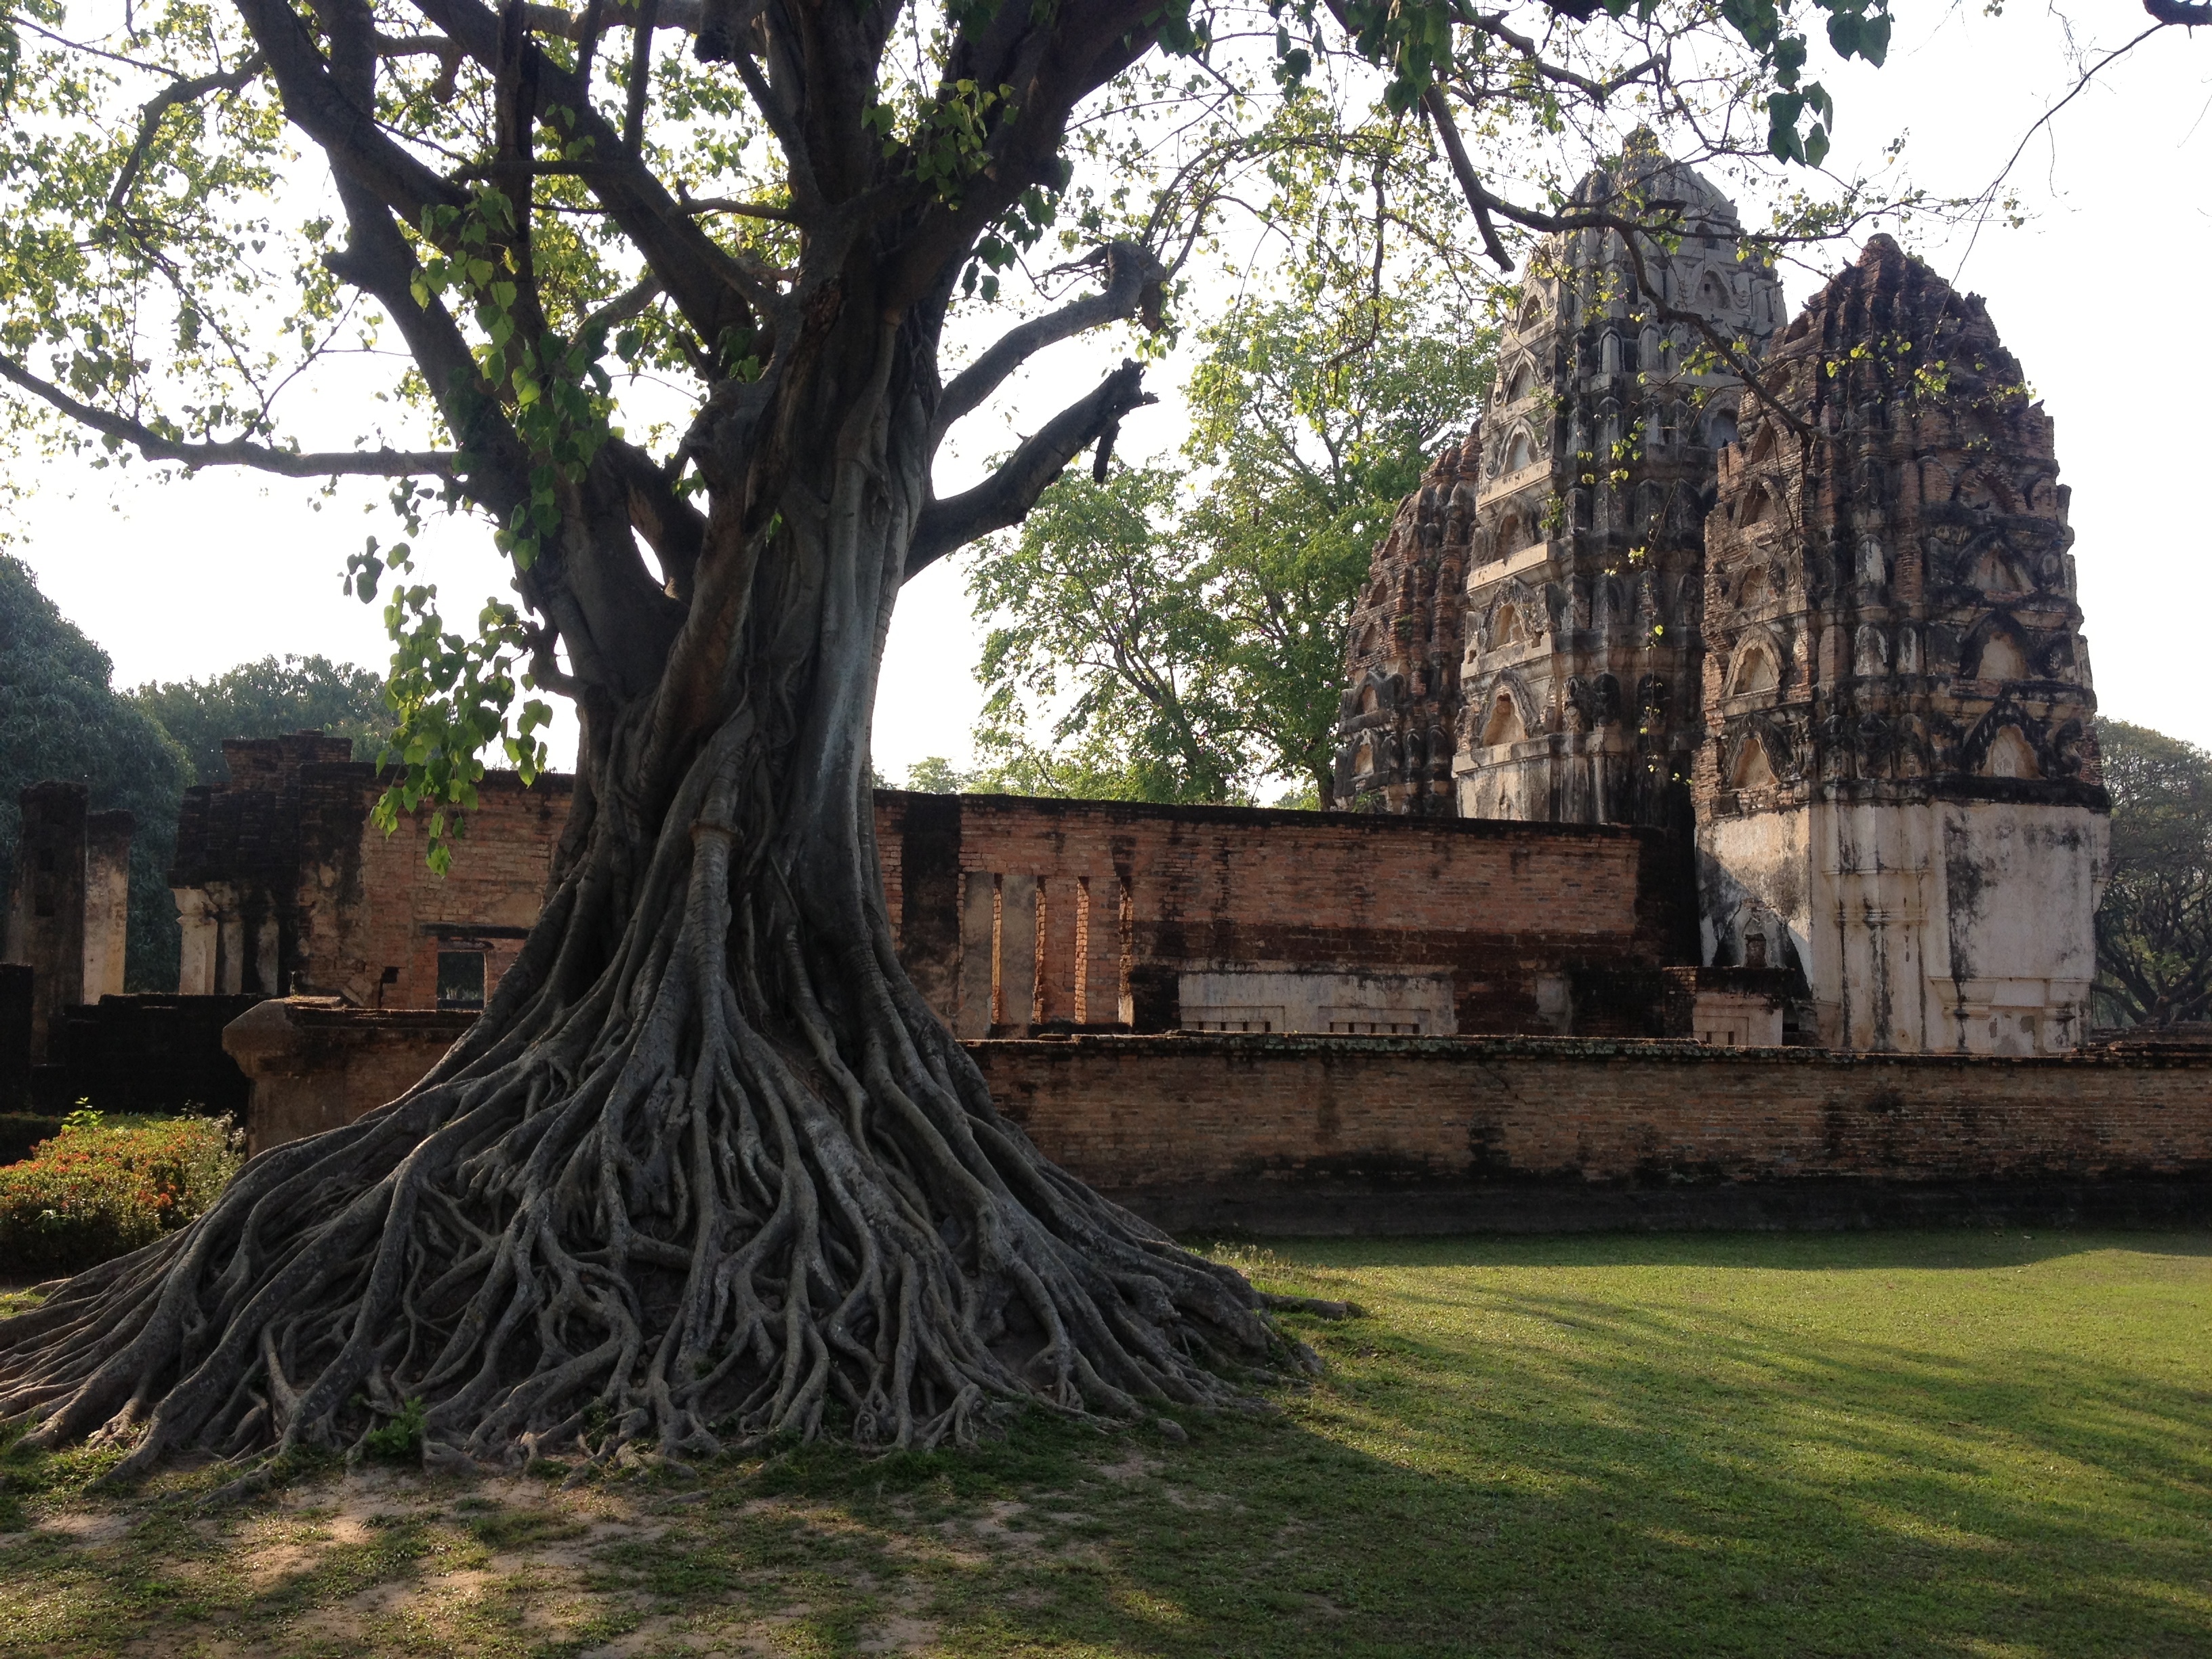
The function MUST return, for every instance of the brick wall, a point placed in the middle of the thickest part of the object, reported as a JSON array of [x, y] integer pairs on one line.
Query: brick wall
[[371, 917], [316, 1063], [1048, 911], [1010, 912], [1320, 1134]]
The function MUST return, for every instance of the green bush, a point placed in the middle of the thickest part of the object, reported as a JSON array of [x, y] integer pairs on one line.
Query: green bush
[[103, 1187]]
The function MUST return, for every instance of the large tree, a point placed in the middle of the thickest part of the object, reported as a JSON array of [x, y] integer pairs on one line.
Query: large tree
[[1179, 636], [267, 699], [707, 1168], [2154, 926], [61, 718]]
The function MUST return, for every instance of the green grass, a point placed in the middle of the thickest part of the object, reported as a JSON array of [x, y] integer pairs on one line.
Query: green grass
[[1951, 1444]]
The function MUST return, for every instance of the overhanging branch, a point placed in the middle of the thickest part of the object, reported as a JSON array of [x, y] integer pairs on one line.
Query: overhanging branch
[[1133, 277], [1005, 497], [1480, 200], [291, 464]]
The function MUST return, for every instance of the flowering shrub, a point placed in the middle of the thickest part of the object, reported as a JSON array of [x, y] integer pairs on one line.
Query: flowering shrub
[[101, 1187]]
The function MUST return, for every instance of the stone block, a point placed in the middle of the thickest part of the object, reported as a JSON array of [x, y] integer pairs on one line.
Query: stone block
[[317, 1064]]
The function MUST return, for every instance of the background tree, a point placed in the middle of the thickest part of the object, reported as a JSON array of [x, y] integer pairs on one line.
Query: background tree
[[2154, 926], [1103, 609], [268, 699], [707, 1168], [1186, 644], [60, 718]]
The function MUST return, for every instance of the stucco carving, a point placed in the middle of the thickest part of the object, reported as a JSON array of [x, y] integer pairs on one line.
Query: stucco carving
[[1917, 791]]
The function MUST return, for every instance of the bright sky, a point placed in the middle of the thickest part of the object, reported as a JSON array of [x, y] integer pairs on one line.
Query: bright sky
[[188, 580]]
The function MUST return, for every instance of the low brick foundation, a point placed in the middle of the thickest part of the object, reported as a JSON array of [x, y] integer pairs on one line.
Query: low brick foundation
[[1318, 1134], [1295, 1134]]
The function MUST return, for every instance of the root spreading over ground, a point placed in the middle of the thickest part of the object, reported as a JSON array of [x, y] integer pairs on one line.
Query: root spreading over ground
[[696, 1179]]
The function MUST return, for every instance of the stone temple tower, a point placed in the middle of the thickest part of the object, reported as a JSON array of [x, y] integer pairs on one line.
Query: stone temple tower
[[1578, 682], [1401, 706], [1898, 792]]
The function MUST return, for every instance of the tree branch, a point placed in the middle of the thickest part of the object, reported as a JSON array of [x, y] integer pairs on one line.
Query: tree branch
[[291, 464], [169, 98], [710, 289], [640, 78], [1008, 493], [1495, 26], [1480, 200], [695, 205], [1133, 277], [630, 302], [348, 134], [673, 528], [1484, 204]]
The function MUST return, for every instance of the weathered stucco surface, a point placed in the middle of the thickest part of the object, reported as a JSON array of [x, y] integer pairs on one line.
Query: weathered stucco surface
[[1900, 764]]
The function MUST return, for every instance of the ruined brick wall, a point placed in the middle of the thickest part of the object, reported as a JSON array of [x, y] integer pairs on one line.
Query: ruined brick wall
[[1317, 1134], [1086, 912], [316, 1065], [1012, 913], [370, 915]]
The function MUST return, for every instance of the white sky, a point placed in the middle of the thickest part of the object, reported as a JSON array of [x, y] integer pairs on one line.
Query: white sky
[[187, 580]]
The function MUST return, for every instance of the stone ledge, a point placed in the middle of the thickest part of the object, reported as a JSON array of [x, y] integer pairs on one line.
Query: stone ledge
[[316, 1063], [1475, 1050]]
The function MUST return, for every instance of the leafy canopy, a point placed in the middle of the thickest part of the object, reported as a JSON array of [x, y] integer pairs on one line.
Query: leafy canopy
[[60, 718], [533, 252], [1159, 639], [268, 699]]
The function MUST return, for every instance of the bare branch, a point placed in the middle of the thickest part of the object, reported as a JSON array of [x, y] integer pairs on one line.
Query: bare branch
[[1723, 345], [640, 78], [1133, 277], [682, 16], [1495, 26], [1008, 493], [2080, 85], [630, 302], [696, 205], [290, 464]]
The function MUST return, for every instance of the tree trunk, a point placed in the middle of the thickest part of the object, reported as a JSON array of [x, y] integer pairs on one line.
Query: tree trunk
[[708, 1169]]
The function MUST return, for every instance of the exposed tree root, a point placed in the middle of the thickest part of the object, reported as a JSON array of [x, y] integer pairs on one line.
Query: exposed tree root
[[696, 1186]]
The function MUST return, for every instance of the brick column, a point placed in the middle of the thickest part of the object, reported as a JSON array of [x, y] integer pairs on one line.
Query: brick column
[[46, 930]]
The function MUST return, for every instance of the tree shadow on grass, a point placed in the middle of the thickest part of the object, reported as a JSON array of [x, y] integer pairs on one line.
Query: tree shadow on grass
[[1614, 1458], [1966, 1248], [1510, 1471]]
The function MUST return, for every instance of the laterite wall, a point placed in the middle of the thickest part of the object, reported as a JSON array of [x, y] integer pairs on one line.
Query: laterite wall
[[1294, 1134]]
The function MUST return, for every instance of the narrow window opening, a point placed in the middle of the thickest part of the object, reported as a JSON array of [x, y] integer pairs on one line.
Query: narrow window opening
[[461, 980]]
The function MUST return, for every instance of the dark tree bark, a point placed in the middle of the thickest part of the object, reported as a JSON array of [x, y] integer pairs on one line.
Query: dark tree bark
[[707, 1169]]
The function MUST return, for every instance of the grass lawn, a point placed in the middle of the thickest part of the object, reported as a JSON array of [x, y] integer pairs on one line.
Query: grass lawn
[[1959, 1443]]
